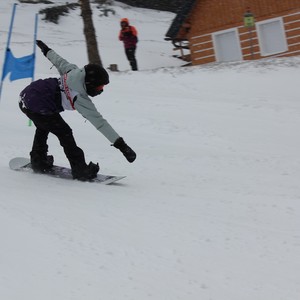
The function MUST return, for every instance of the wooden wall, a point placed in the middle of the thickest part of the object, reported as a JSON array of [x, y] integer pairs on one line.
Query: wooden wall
[[211, 16]]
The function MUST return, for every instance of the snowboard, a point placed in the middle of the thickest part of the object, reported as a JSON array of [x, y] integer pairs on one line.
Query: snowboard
[[23, 164]]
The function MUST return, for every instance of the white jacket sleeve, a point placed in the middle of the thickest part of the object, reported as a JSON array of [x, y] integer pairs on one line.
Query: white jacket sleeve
[[61, 64], [88, 110]]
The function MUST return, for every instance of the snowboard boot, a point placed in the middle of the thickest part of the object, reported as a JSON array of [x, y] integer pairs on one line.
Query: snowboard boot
[[85, 173], [41, 163]]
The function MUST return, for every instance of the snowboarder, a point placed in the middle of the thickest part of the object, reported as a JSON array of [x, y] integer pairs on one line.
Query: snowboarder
[[128, 34], [43, 101]]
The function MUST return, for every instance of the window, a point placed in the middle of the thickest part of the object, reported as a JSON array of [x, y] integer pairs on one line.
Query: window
[[271, 36], [227, 45]]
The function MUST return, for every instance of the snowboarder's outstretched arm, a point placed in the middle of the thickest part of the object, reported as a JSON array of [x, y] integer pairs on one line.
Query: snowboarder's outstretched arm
[[61, 64]]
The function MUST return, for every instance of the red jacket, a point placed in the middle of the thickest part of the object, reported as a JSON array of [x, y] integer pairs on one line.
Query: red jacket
[[128, 35]]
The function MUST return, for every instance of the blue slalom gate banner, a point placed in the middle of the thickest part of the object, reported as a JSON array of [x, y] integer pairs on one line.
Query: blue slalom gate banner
[[21, 67]]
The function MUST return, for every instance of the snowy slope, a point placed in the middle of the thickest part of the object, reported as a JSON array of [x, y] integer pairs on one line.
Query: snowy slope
[[210, 210]]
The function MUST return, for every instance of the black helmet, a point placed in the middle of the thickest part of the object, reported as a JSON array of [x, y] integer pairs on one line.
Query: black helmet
[[95, 78]]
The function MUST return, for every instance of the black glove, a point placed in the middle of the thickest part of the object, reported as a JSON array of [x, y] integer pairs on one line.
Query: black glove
[[128, 33], [43, 47], [125, 149]]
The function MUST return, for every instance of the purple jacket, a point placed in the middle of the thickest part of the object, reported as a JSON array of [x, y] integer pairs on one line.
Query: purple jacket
[[42, 96]]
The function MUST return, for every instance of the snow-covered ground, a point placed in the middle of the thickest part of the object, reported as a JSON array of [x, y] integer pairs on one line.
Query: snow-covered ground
[[210, 209]]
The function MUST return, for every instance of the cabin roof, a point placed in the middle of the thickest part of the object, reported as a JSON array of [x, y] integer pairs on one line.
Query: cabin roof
[[181, 16]]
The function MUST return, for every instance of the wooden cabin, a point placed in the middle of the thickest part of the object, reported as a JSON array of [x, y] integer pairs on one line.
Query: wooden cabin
[[206, 31]]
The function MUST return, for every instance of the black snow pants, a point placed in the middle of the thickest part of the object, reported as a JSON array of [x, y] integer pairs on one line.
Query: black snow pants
[[130, 53], [55, 124]]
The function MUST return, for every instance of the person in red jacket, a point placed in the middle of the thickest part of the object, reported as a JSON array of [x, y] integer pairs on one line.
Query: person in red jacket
[[128, 35]]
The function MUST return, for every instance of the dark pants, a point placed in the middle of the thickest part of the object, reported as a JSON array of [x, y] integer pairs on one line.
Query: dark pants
[[130, 53], [56, 125]]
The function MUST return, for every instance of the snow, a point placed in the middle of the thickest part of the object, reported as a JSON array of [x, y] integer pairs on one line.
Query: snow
[[210, 209]]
